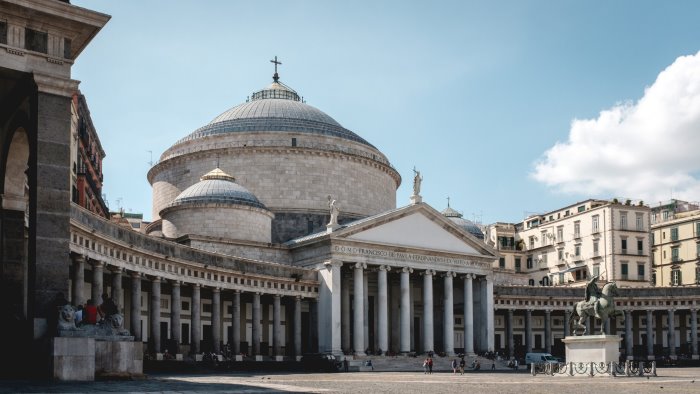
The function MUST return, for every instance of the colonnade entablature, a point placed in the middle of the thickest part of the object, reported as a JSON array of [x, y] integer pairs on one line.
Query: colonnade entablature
[[244, 275]]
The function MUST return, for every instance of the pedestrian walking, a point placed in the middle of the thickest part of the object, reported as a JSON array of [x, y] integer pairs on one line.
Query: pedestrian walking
[[454, 366], [425, 366], [462, 363], [430, 366]]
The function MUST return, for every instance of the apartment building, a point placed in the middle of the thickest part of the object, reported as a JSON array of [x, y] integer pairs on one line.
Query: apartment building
[[675, 235], [570, 245]]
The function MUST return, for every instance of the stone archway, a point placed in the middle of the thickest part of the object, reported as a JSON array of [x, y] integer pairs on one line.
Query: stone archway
[[14, 221]]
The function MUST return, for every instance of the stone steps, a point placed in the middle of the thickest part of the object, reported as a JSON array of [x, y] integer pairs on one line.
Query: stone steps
[[408, 364]]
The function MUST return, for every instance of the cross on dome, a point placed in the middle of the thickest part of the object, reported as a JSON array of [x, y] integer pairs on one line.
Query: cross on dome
[[275, 77]]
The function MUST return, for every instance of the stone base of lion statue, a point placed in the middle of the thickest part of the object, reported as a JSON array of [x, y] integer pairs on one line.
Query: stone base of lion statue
[[592, 348], [90, 351]]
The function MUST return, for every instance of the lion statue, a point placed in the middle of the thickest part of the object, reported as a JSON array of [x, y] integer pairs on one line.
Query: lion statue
[[66, 318]]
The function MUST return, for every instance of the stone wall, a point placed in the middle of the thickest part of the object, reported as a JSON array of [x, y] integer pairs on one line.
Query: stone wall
[[218, 220], [285, 178]]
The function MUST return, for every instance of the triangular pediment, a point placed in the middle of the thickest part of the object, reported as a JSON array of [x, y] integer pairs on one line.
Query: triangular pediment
[[416, 227]]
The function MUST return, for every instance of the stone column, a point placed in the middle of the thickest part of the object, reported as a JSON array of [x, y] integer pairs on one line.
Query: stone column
[[216, 318], [448, 324], [155, 315], [97, 278], [428, 324], [509, 334], [175, 313], [405, 341], [358, 310], [650, 334], [78, 297], [135, 314], [382, 309], [365, 308], [276, 325], [256, 328], [117, 288], [345, 315], [671, 335], [528, 330], [196, 318], [236, 322], [490, 330], [328, 317], [566, 323], [548, 331], [468, 315], [694, 333], [297, 326], [628, 334]]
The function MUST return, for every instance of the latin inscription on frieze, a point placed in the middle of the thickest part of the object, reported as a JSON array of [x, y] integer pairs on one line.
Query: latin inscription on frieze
[[402, 256]]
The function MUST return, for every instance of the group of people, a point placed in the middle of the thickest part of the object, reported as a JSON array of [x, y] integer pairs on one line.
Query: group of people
[[88, 313]]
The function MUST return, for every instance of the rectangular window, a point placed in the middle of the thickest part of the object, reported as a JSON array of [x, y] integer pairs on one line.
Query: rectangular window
[[676, 277], [665, 215], [502, 262], [640, 247], [596, 252], [206, 308], [697, 275], [623, 220], [596, 270], [623, 270], [517, 264], [624, 246], [36, 40], [640, 271], [529, 262], [532, 242], [185, 306], [560, 234], [581, 208], [674, 234], [543, 241], [639, 219], [594, 228], [67, 48], [3, 32], [697, 249], [577, 250], [577, 229], [674, 255], [653, 239], [697, 229], [164, 303], [561, 278], [560, 254]]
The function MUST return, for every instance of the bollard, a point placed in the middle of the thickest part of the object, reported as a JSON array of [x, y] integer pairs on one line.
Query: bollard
[[592, 369], [571, 369], [532, 369], [653, 368], [612, 369], [641, 368], [627, 367]]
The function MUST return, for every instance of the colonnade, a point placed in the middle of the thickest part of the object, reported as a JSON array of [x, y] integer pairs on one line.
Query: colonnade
[[655, 321], [155, 315], [354, 315]]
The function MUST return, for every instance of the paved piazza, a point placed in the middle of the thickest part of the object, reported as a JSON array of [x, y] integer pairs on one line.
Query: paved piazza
[[676, 380]]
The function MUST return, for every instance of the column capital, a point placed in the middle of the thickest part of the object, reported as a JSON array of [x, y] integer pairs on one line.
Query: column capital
[[428, 272], [196, 285], [547, 311], [448, 274], [55, 85], [384, 268], [468, 276], [136, 274], [216, 290], [78, 258], [277, 295], [237, 291], [298, 297], [330, 264], [175, 283], [155, 279], [407, 269], [98, 264], [117, 270], [360, 266]]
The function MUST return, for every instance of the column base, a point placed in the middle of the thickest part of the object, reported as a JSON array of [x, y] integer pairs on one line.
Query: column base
[[258, 358], [695, 357], [279, 358], [651, 357], [298, 358], [238, 357], [673, 357], [360, 354], [629, 358]]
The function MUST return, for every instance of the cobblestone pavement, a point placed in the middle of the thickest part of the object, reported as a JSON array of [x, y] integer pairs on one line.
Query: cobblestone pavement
[[680, 380]]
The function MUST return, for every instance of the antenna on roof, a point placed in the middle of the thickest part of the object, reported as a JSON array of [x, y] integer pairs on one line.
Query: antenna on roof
[[448, 201]]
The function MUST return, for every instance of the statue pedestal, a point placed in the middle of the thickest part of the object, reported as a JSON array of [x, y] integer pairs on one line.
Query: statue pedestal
[[592, 348], [415, 199]]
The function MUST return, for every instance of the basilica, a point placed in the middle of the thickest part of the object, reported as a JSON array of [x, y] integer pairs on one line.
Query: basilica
[[275, 233]]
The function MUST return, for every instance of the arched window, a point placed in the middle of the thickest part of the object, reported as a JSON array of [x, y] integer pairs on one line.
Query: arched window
[[545, 281], [531, 282]]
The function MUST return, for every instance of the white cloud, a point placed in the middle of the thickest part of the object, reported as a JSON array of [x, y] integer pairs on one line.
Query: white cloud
[[639, 150]]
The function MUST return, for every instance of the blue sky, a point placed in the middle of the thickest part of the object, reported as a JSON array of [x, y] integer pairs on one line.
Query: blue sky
[[480, 96]]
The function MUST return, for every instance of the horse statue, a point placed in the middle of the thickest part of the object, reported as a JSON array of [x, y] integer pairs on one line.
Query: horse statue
[[599, 304]]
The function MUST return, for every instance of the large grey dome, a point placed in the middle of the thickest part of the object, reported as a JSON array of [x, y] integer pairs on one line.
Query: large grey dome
[[217, 187], [275, 108]]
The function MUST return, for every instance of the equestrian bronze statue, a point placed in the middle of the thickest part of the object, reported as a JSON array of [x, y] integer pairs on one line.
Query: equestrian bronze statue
[[598, 303]]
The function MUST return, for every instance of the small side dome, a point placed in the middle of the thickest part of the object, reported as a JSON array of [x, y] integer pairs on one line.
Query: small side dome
[[467, 225], [217, 207], [217, 187]]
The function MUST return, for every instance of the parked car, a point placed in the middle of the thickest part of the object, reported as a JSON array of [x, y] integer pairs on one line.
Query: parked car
[[327, 362]]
